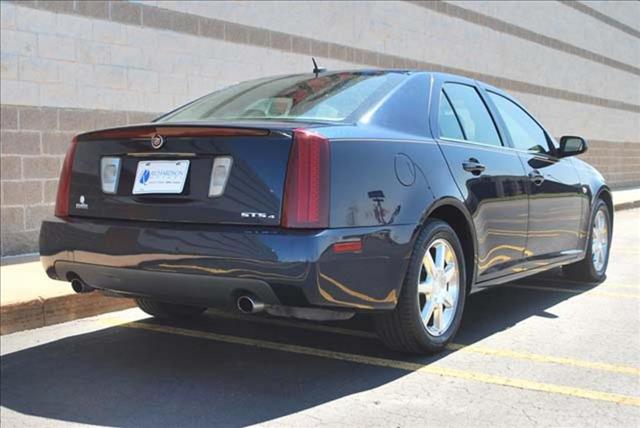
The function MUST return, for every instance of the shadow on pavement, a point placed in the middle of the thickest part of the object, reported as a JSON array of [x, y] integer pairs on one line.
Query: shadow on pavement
[[129, 377]]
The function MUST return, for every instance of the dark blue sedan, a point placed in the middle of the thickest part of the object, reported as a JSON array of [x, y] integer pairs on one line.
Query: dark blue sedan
[[390, 192]]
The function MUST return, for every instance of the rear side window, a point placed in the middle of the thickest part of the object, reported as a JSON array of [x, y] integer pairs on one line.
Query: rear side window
[[447, 120], [524, 131], [474, 117]]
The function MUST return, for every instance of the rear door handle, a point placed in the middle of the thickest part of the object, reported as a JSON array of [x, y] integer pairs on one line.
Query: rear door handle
[[473, 166], [536, 177]]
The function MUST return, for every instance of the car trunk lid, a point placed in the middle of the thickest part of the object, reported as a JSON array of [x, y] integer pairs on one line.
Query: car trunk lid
[[252, 195]]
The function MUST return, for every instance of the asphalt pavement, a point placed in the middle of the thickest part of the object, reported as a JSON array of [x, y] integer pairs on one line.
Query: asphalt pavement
[[542, 351]]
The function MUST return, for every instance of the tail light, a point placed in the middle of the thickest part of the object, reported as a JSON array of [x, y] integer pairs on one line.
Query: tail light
[[62, 199], [306, 195]]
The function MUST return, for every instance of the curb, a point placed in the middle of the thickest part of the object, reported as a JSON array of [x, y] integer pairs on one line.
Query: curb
[[40, 312], [626, 205]]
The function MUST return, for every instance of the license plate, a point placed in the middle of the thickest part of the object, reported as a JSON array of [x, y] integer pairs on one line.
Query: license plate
[[166, 177]]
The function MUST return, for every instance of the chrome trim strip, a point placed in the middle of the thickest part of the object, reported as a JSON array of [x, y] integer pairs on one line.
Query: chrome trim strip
[[160, 154]]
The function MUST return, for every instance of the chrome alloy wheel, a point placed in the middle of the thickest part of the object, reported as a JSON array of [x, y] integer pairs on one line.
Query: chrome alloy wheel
[[599, 240], [439, 287]]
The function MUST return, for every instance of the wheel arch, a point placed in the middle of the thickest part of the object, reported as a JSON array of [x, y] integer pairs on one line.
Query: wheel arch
[[455, 214], [604, 193]]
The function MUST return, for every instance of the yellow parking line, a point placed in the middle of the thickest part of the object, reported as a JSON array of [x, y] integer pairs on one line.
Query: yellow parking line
[[591, 292], [395, 364], [496, 352], [506, 353]]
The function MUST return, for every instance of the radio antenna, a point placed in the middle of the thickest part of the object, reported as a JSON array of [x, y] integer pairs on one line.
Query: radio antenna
[[317, 70]]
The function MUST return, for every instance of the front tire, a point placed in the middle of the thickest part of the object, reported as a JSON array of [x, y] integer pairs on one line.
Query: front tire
[[594, 266], [430, 305], [168, 310]]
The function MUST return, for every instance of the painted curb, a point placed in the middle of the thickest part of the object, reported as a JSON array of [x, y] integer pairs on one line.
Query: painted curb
[[626, 205], [40, 312]]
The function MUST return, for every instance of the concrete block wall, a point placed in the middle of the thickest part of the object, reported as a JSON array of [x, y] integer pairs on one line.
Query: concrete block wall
[[69, 66], [34, 141]]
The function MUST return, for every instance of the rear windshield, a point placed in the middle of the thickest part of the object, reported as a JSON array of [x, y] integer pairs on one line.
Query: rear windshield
[[331, 97]]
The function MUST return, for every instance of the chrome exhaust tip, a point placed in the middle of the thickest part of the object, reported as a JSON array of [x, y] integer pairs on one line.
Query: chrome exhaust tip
[[79, 286], [249, 305]]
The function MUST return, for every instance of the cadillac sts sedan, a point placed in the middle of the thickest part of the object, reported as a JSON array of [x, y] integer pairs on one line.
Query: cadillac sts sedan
[[394, 193]]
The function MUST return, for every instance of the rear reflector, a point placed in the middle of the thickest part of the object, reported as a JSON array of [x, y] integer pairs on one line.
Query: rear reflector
[[62, 198], [348, 247], [306, 197], [109, 174], [219, 175]]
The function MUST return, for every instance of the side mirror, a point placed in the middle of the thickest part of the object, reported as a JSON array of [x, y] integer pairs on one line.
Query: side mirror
[[572, 146]]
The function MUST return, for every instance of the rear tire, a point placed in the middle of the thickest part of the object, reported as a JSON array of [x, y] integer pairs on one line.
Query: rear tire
[[430, 305], [594, 267], [168, 310]]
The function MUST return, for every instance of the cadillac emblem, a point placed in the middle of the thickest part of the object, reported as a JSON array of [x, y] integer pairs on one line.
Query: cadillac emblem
[[157, 141]]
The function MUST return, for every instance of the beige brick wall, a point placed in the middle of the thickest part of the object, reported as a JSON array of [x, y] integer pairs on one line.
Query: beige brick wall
[[618, 162], [69, 66], [33, 143]]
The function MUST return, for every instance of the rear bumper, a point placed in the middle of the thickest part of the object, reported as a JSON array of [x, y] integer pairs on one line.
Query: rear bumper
[[213, 265]]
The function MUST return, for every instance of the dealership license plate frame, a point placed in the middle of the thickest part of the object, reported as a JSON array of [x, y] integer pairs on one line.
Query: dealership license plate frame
[[160, 177]]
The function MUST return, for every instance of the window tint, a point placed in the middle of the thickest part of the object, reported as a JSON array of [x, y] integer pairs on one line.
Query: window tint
[[449, 126], [473, 114], [525, 132]]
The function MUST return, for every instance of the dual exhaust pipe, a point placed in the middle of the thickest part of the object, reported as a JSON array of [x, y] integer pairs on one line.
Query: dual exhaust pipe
[[251, 305], [245, 304]]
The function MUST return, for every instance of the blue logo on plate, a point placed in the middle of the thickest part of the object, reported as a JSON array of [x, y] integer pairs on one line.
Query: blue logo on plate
[[145, 176]]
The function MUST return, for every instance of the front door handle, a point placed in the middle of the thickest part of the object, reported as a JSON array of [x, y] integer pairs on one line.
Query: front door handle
[[536, 177], [473, 166]]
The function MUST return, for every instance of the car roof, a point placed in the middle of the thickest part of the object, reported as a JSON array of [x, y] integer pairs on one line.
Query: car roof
[[412, 71], [408, 71]]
